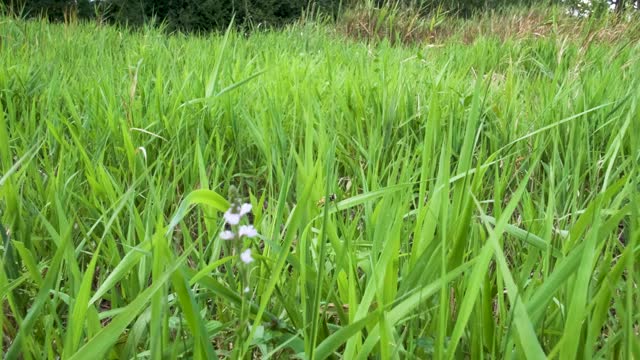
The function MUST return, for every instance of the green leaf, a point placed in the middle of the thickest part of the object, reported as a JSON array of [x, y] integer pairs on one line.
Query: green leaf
[[204, 197], [100, 344], [335, 340], [39, 301], [409, 303]]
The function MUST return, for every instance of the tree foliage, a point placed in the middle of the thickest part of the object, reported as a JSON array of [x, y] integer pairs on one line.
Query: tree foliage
[[54, 10], [198, 15]]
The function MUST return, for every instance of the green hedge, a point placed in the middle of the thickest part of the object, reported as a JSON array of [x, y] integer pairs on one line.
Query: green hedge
[[198, 15]]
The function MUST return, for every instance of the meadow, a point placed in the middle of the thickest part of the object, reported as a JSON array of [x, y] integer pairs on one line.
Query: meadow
[[475, 198]]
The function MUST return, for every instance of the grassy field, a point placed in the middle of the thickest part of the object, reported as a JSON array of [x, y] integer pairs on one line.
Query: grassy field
[[475, 199]]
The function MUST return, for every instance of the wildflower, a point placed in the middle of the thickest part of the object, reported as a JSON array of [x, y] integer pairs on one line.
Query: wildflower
[[248, 231], [236, 212], [232, 218], [245, 209], [227, 235], [246, 257], [235, 232]]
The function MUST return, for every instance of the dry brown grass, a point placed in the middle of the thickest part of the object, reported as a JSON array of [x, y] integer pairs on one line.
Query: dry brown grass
[[398, 25], [540, 23], [407, 26]]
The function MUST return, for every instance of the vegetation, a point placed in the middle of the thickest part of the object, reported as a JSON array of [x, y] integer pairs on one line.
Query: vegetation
[[474, 197], [176, 15], [206, 15]]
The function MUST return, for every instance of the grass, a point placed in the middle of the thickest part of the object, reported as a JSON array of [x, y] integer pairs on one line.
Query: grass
[[411, 25], [471, 200]]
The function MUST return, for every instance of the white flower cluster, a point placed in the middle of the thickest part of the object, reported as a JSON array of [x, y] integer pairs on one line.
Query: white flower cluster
[[232, 217]]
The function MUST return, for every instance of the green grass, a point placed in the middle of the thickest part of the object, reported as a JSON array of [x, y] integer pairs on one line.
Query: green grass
[[486, 195]]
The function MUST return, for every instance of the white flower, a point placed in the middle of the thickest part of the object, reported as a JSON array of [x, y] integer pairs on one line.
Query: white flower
[[246, 257], [246, 290], [227, 235], [245, 209], [231, 218], [248, 231]]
